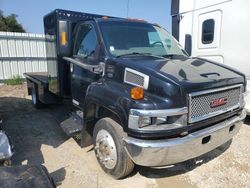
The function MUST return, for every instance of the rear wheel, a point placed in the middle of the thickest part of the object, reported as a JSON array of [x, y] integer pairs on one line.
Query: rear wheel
[[35, 97], [109, 149]]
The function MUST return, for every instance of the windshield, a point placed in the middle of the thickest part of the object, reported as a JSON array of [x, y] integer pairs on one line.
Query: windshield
[[128, 38]]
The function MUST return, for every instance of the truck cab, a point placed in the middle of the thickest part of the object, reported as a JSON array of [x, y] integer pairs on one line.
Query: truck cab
[[137, 95], [206, 30]]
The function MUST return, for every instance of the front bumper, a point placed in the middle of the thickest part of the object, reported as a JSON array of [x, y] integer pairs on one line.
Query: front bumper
[[171, 151], [247, 100]]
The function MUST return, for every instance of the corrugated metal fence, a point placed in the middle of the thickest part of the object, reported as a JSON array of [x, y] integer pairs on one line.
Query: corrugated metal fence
[[21, 52]]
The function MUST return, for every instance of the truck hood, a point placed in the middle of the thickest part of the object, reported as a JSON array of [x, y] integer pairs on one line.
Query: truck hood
[[190, 73]]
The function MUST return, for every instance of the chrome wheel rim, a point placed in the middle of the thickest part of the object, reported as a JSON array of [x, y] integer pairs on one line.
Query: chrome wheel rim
[[106, 149]]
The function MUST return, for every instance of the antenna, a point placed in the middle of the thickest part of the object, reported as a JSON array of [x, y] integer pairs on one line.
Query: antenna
[[127, 7]]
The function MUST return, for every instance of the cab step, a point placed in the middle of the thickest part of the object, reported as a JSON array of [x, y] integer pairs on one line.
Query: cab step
[[74, 124]]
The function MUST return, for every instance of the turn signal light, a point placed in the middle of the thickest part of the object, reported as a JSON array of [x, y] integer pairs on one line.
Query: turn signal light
[[137, 93], [63, 39]]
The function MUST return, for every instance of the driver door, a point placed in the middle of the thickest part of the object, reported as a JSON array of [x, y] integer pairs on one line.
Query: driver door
[[84, 51]]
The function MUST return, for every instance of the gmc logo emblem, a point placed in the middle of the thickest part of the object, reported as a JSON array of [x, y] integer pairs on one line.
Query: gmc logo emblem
[[218, 102]]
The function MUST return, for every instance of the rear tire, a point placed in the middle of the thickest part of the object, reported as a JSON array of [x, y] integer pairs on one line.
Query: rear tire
[[109, 149], [35, 96]]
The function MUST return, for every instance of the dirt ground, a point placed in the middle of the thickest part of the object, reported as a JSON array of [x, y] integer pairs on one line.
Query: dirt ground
[[38, 139]]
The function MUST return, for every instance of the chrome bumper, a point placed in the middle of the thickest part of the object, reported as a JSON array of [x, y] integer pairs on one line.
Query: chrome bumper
[[170, 151]]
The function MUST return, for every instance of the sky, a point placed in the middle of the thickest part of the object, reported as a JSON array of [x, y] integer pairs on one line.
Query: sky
[[30, 12]]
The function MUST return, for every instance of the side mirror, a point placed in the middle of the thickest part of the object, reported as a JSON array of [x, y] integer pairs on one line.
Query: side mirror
[[188, 44], [64, 42]]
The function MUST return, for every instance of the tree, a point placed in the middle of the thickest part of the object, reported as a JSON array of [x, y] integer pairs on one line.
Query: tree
[[9, 23]]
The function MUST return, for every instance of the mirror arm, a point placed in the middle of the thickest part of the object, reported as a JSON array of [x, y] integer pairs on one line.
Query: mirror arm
[[97, 69]]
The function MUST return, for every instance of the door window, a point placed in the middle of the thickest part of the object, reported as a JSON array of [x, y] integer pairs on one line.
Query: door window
[[86, 41], [209, 28], [208, 31]]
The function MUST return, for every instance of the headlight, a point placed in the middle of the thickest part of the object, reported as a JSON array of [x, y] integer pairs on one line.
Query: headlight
[[157, 120], [161, 120], [146, 121]]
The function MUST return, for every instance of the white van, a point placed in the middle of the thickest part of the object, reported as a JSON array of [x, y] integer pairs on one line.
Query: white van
[[218, 30]]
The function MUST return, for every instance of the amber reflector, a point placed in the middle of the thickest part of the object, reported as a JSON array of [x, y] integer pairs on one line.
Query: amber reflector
[[137, 93], [63, 39]]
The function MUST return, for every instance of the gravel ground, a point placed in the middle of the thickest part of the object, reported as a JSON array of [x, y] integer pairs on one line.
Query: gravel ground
[[39, 140]]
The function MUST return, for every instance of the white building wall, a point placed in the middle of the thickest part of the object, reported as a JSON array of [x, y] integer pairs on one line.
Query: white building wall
[[20, 53]]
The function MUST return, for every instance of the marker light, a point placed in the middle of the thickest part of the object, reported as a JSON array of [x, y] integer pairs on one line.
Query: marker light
[[63, 39], [137, 93], [105, 17], [136, 19]]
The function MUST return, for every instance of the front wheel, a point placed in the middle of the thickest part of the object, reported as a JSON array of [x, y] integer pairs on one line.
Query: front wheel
[[109, 149]]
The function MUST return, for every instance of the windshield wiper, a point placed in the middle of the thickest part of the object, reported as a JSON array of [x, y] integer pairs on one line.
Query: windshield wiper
[[172, 55], [134, 53]]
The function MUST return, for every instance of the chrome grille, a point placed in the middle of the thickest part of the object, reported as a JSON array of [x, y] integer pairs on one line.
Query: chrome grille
[[200, 102]]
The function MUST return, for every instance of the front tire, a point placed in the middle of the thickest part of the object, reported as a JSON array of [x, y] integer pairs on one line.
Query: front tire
[[109, 149]]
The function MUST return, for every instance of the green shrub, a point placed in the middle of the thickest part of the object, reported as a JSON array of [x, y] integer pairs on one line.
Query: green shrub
[[14, 80]]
